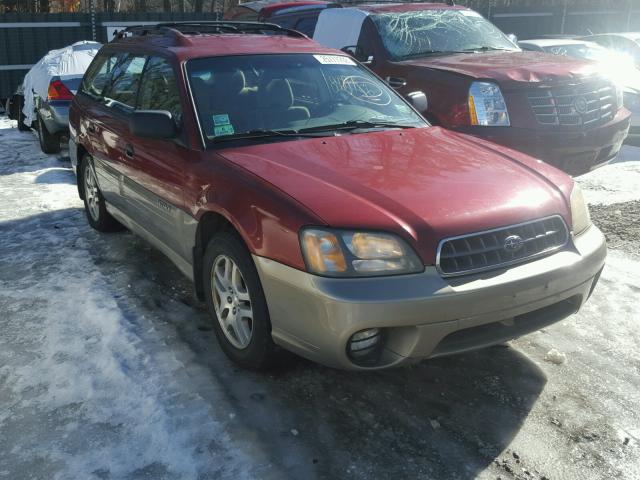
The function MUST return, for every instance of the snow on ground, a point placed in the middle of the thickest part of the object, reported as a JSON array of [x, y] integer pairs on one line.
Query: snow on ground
[[109, 369], [618, 182]]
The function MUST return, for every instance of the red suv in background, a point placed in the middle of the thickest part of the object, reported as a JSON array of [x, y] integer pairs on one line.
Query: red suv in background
[[561, 110], [314, 208]]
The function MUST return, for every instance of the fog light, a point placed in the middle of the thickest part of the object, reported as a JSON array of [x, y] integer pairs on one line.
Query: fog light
[[364, 341]]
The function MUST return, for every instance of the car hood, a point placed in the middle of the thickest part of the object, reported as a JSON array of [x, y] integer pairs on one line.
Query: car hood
[[424, 184], [511, 66]]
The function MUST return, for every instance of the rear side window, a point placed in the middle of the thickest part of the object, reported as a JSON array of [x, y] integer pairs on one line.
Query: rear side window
[[159, 88], [123, 88], [98, 75]]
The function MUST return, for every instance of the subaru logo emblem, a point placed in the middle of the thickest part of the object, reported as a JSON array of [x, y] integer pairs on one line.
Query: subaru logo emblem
[[513, 243], [580, 104]]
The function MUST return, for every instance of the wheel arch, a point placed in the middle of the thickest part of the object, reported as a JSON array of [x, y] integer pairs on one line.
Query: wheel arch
[[210, 223], [80, 154]]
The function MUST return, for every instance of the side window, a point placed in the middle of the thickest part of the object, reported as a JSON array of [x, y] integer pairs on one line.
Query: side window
[[123, 89], [98, 75], [307, 25], [159, 89]]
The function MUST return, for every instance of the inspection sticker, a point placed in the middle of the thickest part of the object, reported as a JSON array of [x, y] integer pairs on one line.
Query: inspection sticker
[[334, 60], [223, 130], [222, 119]]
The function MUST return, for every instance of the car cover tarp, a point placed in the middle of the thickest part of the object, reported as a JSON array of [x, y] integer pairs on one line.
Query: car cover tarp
[[70, 61]]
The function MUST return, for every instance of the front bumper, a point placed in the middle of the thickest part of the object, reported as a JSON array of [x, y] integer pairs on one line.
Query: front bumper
[[425, 315], [55, 115], [575, 153]]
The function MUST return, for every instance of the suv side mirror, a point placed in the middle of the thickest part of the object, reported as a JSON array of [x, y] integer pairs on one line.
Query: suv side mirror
[[358, 53], [513, 38], [152, 124], [419, 101]]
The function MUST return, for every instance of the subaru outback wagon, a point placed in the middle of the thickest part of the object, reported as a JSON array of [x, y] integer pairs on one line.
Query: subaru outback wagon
[[314, 208]]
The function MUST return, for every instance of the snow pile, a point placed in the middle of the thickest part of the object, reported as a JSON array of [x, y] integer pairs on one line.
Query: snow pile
[[555, 357]]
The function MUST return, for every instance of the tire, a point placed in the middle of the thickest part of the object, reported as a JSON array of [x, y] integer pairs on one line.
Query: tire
[[20, 116], [49, 142], [259, 352], [94, 205]]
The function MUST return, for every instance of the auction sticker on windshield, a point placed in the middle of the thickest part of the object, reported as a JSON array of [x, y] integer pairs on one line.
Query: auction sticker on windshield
[[334, 60]]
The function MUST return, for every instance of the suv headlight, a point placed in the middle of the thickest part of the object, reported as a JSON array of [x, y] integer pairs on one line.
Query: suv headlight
[[342, 253], [487, 106], [580, 218]]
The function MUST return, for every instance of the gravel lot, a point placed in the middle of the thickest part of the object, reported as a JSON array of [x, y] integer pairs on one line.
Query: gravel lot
[[109, 369]]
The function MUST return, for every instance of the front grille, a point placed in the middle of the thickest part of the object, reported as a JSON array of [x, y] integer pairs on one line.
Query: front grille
[[498, 248], [577, 107]]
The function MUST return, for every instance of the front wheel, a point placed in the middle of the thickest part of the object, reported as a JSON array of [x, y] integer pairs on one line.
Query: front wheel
[[49, 142], [237, 304], [94, 205]]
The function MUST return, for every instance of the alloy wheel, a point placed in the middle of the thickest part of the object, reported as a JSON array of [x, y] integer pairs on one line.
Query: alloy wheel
[[232, 302], [91, 192]]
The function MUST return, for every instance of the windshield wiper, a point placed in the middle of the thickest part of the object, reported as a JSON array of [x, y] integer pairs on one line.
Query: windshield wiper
[[431, 53], [260, 134], [355, 125], [487, 49]]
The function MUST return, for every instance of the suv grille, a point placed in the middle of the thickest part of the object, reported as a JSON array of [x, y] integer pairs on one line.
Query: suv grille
[[501, 247], [580, 107]]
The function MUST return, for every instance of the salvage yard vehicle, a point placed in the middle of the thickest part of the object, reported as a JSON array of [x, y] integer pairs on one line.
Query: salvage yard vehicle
[[479, 82], [47, 91], [618, 67], [314, 208]]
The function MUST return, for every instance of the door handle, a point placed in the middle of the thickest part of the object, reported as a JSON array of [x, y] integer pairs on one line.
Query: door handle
[[128, 151]]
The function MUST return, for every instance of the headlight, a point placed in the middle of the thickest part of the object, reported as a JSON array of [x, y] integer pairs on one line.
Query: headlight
[[487, 106], [580, 218], [339, 253]]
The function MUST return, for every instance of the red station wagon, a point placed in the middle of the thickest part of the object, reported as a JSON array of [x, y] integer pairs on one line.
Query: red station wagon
[[314, 208]]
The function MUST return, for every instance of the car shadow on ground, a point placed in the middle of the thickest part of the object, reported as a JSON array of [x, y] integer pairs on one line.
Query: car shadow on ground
[[444, 418], [56, 176]]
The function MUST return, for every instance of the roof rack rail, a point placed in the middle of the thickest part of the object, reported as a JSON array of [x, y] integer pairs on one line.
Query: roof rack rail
[[181, 29]]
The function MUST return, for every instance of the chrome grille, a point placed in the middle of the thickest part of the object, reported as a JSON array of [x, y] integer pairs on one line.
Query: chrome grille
[[486, 250], [585, 106]]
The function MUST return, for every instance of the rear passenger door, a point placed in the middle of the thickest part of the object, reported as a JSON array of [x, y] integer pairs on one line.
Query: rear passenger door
[[154, 183]]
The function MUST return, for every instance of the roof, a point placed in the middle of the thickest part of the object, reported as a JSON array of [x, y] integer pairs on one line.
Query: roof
[[634, 36], [185, 45], [275, 7], [406, 7]]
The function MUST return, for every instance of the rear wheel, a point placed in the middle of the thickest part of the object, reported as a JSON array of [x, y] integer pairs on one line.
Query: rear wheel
[[237, 304], [49, 142], [94, 204]]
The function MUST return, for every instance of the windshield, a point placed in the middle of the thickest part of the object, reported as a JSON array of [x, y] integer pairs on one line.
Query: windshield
[[425, 32], [588, 52], [237, 96]]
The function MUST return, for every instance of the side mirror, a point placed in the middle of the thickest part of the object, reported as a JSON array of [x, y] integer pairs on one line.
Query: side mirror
[[419, 101], [358, 53], [152, 124], [513, 38]]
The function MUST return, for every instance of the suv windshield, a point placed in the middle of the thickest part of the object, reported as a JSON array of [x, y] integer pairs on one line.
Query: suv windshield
[[427, 32], [291, 95]]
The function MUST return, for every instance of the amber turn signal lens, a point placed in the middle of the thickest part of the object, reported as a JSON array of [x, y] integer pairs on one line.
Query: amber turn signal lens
[[323, 252]]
